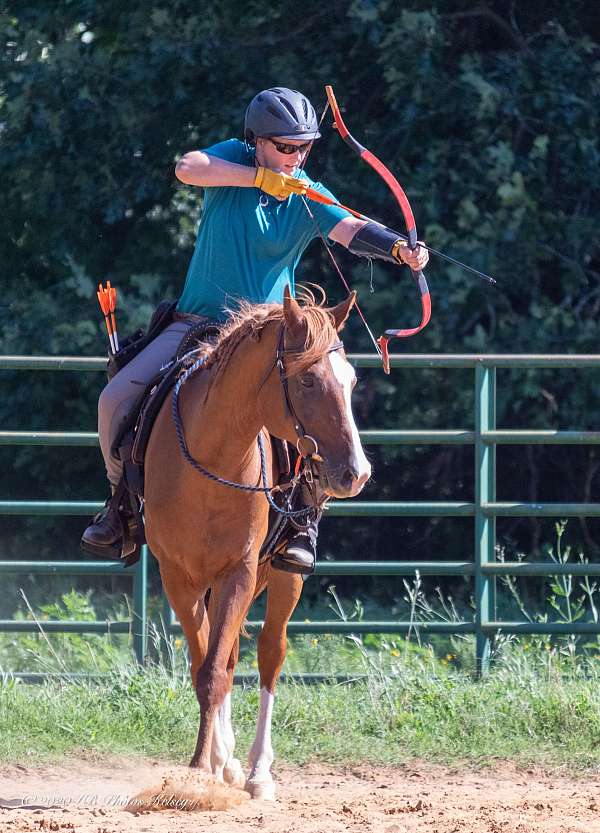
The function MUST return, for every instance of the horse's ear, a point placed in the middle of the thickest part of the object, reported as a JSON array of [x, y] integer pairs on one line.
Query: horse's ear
[[341, 312], [292, 313]]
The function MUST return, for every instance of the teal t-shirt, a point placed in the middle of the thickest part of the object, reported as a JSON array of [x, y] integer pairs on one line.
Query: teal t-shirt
[[249, 243]]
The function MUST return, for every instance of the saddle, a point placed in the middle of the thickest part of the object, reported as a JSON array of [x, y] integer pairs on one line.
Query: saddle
[[132, 443], [197, 337]]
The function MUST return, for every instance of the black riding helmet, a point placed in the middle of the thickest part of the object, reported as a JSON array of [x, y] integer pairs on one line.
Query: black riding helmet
[[280, 112]]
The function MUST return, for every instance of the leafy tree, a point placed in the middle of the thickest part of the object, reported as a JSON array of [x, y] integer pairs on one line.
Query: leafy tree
[[489, 116]]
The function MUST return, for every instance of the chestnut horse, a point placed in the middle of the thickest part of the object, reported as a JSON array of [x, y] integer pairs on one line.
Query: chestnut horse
[[207, 535]]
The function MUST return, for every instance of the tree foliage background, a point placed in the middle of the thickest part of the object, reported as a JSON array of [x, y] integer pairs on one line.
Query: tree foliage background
[[488, 113]]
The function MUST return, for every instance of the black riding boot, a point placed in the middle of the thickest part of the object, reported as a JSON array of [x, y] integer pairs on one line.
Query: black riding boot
[[104, 536], [301, 552]]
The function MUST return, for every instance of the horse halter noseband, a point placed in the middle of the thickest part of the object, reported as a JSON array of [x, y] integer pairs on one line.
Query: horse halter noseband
[[306, 445]]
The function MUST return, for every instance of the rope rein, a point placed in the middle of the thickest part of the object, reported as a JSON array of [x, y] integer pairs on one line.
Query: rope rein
[[265, 489]]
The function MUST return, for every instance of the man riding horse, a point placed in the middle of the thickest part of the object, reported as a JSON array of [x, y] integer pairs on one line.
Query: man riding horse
[[255, 225]]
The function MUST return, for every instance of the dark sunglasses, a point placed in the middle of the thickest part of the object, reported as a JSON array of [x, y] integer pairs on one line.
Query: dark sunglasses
[[283, 147]]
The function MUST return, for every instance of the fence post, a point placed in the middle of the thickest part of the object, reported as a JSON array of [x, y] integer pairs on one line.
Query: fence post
[[485, 492], [140, 607], [165, 628]]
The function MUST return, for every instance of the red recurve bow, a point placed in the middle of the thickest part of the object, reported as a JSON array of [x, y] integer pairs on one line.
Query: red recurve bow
[[402, 200]]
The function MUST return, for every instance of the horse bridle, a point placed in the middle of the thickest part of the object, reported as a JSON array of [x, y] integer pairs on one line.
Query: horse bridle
[[306, 445], [310, 455]]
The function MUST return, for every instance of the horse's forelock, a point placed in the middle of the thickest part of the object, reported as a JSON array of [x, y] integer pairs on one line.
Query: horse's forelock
[[319, 337]]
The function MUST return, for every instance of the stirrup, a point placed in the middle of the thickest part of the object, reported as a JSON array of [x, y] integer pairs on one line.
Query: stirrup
[[284, 560], [125, 548], [280, 562], [128, 551], [112, 552]]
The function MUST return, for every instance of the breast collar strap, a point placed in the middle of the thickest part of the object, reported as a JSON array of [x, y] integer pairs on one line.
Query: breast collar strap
[[306, 445]]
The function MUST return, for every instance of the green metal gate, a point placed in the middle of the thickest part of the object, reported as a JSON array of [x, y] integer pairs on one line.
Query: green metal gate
[[484, 510]]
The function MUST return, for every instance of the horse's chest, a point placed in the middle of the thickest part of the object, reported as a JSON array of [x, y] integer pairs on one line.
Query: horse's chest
[[222, 530]]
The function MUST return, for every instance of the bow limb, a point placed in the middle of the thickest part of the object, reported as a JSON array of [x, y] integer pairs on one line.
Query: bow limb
[[383, 340], [402, 200]]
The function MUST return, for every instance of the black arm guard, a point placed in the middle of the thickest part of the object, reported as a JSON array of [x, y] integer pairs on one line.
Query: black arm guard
[[374, 240]]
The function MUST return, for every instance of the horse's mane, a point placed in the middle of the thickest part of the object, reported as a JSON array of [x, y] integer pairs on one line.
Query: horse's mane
[[249, 321]]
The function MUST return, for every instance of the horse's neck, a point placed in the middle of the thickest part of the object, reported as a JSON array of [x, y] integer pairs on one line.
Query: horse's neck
[[227, 421]]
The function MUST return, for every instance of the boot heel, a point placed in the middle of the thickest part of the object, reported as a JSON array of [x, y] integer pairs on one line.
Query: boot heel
[[111, 552], [280, 562]]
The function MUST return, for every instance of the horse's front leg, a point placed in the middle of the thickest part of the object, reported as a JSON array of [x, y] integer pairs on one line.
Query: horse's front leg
[[225, 765], [283, 592], [230, 598]]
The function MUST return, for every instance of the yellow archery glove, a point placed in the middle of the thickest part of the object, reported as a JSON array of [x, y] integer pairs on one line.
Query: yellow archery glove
[[416, 259], [399, 247], [277, 184]]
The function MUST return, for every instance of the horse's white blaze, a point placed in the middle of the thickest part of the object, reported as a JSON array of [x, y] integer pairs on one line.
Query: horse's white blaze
[[344, 373], [260, 781]]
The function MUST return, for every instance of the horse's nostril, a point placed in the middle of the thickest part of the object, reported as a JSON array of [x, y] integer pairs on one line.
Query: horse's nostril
[[349, 476]]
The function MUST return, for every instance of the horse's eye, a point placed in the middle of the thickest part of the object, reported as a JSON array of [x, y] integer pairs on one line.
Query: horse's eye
[[306, 381]]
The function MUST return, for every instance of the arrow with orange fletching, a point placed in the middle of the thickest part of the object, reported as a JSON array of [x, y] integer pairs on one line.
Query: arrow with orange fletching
[[107, 298], [317, 196], [112, 294]]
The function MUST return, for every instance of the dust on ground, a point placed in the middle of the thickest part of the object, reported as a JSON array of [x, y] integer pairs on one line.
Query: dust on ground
[[112, 795]]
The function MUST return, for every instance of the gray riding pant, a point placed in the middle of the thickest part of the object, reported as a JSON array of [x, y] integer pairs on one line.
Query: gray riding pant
[[125, 389]]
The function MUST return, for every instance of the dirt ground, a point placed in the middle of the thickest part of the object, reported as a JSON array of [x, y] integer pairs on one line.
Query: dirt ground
[[91, 797]]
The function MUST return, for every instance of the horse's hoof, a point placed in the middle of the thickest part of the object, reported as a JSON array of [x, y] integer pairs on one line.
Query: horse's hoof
[[233, 774], [196, 763], [261, 790]]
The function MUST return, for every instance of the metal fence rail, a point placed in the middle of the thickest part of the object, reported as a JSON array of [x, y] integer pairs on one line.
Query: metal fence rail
[[484, 510]]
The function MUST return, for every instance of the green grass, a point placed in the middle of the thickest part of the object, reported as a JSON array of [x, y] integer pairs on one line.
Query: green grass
[[534, 713], [539, 704]]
